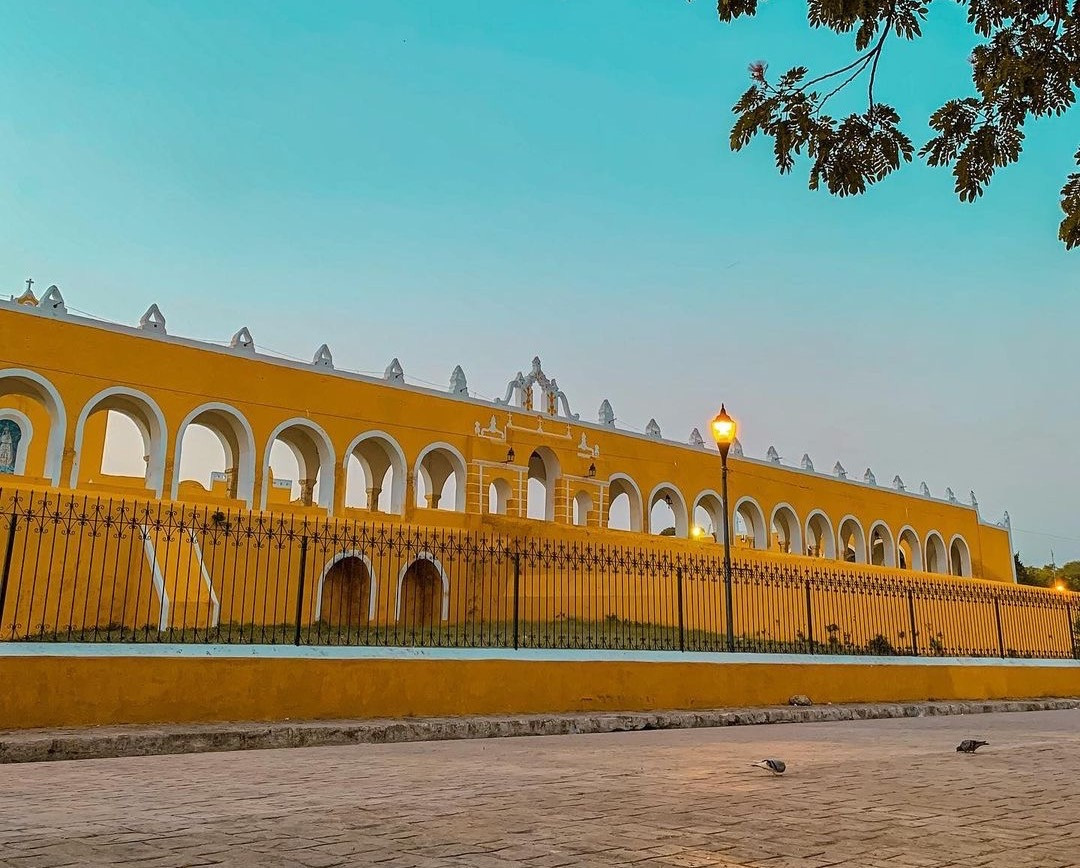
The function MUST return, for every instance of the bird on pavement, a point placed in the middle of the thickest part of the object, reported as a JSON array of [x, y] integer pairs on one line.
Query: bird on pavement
[[775, 766], [970, 745]]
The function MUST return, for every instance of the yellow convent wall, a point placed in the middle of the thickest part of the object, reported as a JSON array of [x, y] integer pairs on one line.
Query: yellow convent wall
[[64, 372], [67, 690]]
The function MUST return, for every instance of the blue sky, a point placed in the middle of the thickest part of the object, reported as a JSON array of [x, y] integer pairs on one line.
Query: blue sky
[[477, 182]]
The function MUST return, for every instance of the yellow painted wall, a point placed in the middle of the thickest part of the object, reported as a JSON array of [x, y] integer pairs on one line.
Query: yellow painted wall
[[84, 691], [80, 359]]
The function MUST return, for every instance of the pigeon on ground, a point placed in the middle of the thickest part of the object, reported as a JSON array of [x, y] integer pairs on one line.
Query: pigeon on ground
[[970, 745], [771, 765]]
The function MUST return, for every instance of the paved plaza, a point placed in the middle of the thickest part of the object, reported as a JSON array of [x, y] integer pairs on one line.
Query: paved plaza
[[859, 794]]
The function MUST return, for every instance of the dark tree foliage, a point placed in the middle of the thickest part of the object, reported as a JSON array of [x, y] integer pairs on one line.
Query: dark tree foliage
[[1027, 66]]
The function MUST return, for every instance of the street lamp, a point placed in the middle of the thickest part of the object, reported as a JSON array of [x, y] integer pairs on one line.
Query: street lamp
[[723, 430]]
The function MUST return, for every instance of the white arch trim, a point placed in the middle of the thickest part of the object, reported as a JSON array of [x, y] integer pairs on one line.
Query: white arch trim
[[682, 528], [26, 429], [860, 550], [156, 440], [795, 546], [757, 520], [889, 541], [54, 405], [457, 461], [826, 540], [935, 535], [326, 459], [244, 462], [916, 549], [397, 463], [637, 505], [372, 577], [424, 556], [965, 555]]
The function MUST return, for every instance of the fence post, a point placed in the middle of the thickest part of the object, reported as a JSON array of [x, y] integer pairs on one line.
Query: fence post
[[300, 586], [1000, 632], [1068, 614], [911, 614], [517, 598], [7, 564], [809, 620], [682, 630]]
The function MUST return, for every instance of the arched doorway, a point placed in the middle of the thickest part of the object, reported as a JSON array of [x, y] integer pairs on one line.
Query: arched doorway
[[936, 557], [347, 592], [959, 557], [909, 551], [499, 493], [786, 530], [750, 531], [543, 476], [667, 511], [423, 593], [820, 542], [305, 443], [624, 504], [375, 473], [852, 541], [709, 516], [216, 439], [440, 478], [120, 433], [882, 547], [583, 505], [34, 397]]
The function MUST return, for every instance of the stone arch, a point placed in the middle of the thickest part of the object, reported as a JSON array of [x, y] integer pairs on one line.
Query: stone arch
[[582, 506], [314, 454], [435, 465], [670, 495], [499, 494], [22, 438], [237, 441], [959, 557], [141, 409], [378, 454], [851, 540], [619, 484], [820, 541], [937, 557], [28, 384], [422, 569], [881, 545], [784, 522], [358, 591], [749, 511], [909, 554], [709, 502], [544, 468]]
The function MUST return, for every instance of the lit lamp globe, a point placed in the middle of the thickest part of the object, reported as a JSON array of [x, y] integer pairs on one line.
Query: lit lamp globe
[[723, 430]]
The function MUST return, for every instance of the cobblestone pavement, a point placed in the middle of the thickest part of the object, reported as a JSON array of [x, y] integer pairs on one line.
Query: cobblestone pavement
[[858, 794]]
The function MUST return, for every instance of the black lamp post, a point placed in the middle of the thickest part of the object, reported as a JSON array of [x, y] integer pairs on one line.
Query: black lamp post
[[723, 430]]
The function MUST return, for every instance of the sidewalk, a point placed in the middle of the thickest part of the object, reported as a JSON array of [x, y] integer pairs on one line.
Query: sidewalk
[[36, 745]]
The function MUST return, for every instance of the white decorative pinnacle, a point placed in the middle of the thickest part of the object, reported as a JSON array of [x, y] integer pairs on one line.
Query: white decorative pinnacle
[[696, 439], [458, 383], [898, 483], [806, 463], [606, 416], [153, 320], [869, 477], [736, 447], [950, 496], [1006, 521], [653, 429], [53, 302], [924, 490], [394, 373], [974, 502], [772, 455], [243, 341], [323, 358], [838, 470]]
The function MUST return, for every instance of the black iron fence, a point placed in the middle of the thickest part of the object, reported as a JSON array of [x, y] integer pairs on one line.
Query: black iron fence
[[84, 569]]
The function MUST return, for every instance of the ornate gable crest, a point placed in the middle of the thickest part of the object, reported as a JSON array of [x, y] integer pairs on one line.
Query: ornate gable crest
[[519, 391]]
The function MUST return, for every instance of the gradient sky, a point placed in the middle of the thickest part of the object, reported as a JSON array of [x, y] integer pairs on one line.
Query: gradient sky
[[477, 182]]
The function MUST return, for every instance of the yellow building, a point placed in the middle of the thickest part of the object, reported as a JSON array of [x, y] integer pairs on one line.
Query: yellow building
[[421, 506]]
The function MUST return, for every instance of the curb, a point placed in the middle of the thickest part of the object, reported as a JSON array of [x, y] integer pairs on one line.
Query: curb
[[19, 746]]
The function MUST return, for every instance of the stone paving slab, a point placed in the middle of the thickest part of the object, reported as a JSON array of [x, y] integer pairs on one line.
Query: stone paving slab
[[886, 793], [35, 745]]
